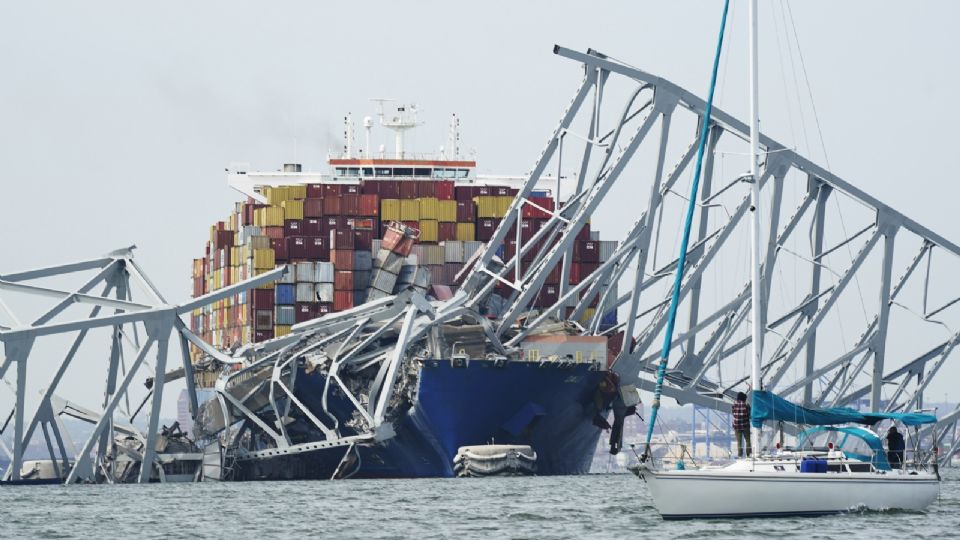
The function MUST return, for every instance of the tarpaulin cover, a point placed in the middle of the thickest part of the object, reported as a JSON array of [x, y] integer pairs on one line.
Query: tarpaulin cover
[[768, 406]]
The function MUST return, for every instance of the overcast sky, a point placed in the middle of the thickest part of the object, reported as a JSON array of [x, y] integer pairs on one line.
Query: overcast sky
[[118, 119]]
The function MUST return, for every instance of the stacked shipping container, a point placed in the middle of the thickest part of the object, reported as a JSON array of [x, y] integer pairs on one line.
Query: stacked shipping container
[[331, 235]]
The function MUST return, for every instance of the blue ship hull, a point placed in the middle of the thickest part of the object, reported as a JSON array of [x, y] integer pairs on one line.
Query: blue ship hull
[[548, 407]]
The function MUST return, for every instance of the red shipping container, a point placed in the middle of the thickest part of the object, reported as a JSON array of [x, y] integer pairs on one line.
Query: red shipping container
[[389, 189], [486, 227], [261, 298], [292, 227], [304, 311], [297, 248], [314, 191], [464, 193], [332, 190], [369, 205], [466, 211], [365, 224], [280, 252], [426, 188], [317, 249], [446, 231], [262, 335], [342, 258], [272, 232], [350, 204], [342, 300], [343, 280], [223, 239], [370, 187], [312, 227], [584, 233], [313, 208], [415, 225], [595, 301], [342, 239], [586, 251], [363, 240], [395, 241], [530, 211], [324, 308], [444, 190], [350, 189], [332, 205], [528, 228], [549, 294], [581, 270], [408, 189], [333, 223], [483, 190], [553, 278]]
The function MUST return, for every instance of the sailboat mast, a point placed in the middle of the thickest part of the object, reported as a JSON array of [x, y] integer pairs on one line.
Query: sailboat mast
[[755, 291]]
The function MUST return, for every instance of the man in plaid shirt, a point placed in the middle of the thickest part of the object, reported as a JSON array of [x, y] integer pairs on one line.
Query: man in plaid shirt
[[741, 423]]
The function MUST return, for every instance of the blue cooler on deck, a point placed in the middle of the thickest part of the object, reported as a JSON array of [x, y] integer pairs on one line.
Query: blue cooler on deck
[[813, 465]]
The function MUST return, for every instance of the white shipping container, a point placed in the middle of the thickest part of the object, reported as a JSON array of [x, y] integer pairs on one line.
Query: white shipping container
[[323, 272], [453, 251], [323, 292], [595, 235], [435, 255], [247, 231], [421, 278], [383, 280], [375, 246], [305, 272], [607, 247], [290, 276], [407, 273], [389, 261], [305, 293], [471, 247]]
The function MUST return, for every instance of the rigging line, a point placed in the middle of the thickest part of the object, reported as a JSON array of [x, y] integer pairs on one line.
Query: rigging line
[[688, 222], [793, 71], [783, 76], [806, 79]]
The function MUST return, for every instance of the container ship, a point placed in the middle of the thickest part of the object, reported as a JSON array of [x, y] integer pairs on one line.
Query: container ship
[[291, 396]]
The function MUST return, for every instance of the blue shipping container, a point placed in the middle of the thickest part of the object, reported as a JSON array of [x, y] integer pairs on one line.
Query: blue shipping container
[[286, 294]]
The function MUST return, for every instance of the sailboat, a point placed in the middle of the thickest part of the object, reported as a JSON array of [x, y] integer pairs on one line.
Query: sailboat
[[837, 465]]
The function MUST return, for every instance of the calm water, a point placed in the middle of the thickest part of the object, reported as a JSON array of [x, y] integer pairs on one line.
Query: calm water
[[609, 506]]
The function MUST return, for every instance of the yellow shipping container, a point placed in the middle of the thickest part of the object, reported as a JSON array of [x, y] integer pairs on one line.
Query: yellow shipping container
[[297, 191], [503, 204], [447, 211], [429, 209], [466, 232], [264, 259], [587, 315], [258, 242], [428, 230], [409, 210], [281, 330], [487, 206], [273, 216], [390, 209], [292, 209], [276, 194]]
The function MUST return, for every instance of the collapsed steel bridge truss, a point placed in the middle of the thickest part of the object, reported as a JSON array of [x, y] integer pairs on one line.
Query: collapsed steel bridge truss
[[367, 352], [136, 328]]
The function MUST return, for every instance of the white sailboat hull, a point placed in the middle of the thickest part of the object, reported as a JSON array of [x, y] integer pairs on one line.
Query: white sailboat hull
[[689, 494]]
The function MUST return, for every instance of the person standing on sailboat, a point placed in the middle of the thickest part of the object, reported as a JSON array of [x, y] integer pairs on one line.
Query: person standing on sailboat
[[741, 423], [895, 448]]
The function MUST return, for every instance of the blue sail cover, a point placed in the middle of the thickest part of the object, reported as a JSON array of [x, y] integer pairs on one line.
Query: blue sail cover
[[768, 406]]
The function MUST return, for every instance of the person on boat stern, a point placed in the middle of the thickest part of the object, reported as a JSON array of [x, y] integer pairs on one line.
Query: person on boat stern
[[895, 448], [741, 423]]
